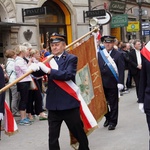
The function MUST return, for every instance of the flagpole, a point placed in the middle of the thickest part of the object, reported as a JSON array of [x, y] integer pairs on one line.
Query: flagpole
[[48, 59], [82, 37]]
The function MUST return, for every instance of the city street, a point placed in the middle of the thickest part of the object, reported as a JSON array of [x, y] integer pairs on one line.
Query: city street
[[130, 134]]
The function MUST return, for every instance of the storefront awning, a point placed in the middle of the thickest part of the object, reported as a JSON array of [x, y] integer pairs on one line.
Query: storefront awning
[[9, 24]]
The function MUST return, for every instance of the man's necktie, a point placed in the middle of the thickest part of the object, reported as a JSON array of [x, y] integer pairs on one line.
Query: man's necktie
[[56, 58]]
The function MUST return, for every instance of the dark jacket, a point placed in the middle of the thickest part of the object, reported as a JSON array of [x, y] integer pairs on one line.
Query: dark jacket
[[126, 58], [133, 63], [57, 98], [2, 95], [144, 88], [108, 78]]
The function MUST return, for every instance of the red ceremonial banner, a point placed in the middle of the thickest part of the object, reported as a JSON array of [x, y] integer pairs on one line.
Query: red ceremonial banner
[[88, 79]]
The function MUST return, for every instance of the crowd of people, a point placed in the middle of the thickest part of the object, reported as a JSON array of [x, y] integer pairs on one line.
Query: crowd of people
[[24, 101], [121, 64], [60, 105]]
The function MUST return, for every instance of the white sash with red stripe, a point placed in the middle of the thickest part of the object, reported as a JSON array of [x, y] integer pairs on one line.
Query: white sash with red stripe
[[72, 89]]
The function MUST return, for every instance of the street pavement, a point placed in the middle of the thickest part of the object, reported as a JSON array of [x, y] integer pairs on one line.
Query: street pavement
[[131, 132]]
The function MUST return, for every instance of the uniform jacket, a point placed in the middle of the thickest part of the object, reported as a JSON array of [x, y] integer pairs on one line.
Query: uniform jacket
[[144, 88], [58, 99], [133, 62], [108, 78], [2, 95]]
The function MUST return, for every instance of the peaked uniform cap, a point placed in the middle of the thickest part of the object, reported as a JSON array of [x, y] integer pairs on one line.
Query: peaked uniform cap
[[108, 38], [55, 38]]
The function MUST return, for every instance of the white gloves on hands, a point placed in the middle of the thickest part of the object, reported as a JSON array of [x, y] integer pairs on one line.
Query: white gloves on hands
[[141, 107], [120, 86], [1, 116], [34, 67], [43, 67]]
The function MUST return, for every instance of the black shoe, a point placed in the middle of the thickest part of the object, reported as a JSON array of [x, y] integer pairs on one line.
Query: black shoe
[[106, 123], [111, 127]]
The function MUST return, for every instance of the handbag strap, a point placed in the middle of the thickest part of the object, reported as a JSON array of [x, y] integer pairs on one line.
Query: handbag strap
[[11, 71]]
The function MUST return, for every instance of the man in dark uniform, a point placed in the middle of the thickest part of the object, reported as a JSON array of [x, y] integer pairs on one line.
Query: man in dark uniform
[[61, 105], [111, 63], [2, 96], [144, 88]]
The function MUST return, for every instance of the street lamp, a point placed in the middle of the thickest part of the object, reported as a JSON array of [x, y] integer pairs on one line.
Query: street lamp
[[139, 2]]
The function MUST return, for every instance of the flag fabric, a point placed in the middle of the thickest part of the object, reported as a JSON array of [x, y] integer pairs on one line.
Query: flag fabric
[[146, 51], [88, 79], [98, 35], [10, 125]]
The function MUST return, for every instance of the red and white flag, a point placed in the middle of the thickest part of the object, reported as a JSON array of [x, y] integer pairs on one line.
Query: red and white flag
[[98, 35], [146, 51], [9, 121]]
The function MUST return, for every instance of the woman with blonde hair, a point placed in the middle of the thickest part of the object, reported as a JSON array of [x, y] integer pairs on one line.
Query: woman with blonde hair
[[21, 67], [35, 101]]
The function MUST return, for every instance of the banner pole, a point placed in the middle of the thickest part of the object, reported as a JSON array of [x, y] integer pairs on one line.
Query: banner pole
[[82, 37], [48, 59]]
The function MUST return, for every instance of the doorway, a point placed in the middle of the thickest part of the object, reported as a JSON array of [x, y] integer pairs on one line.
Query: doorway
[[54, 21], [46, 31]]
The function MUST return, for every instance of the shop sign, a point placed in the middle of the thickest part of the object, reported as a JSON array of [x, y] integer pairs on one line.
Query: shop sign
[[116, 6], [95, 13], [133, 26], [119, 21], [35, 11], [145, 25], [146, 32]]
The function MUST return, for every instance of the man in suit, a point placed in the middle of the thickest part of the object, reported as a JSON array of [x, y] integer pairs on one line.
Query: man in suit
[[135, 64], [112, 66], [61, 105], [2, 96], [144, 88]]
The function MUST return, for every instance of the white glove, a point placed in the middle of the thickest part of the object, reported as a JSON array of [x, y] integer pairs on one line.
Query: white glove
[[120, 86], [43, 67], [34, 67], [141, 107], [1, 116]]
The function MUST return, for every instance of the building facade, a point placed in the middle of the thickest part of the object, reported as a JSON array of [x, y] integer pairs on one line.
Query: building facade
[[24, 20], [131, 9], [20, 23]]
